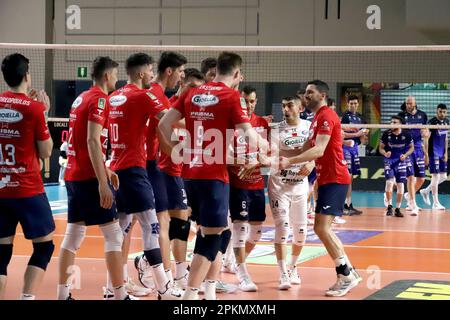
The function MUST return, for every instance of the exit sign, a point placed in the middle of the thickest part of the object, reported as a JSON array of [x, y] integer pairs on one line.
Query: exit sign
[[82, 72]]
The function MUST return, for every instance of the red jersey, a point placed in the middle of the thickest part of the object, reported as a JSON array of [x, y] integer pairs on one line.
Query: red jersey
[[91, 105], [255, 181], [22, 123], [331, 167], [209, 110], [152, 138], [130, 109]]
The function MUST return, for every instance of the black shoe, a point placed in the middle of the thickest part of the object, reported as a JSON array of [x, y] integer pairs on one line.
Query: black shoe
[[70, 297], [354, 211], [398, 213], [389, 211], [346, 211]]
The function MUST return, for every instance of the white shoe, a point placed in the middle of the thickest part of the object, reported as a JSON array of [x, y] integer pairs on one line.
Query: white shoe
[[356, 274], [342, 286], [247, 285], [108, 294], [425, 196], [144, 272], [339, 220], [294, 277], [229, 267], [171, 293], [181, 283], [285, 283], [438, 206], [136, 290], [415, 211]]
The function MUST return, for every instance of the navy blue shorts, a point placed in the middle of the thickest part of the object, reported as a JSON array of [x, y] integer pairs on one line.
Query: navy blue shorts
[[34, 215], [135, 193], [209, 200], [331, 199], [247, 205], [312, 176], [416, 165], [352, 158], [156, 177], [395, 169], [84, 203], [176, 194], [437, 165]]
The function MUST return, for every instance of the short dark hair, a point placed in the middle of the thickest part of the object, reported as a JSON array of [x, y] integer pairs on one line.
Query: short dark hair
[[193, 72], [330, 101], [14, 68], [100, 65], [137, 60], [441, 106], [170, 59], [402, 121], [321, 86], [207, 64], [227, 61], [352, 97], [248, 89], [290, 98]]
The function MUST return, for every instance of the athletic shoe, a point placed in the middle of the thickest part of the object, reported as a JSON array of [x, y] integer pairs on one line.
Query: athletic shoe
[[415, 211], [338, 220], [342, 286], [346, 211], [389, 211], [247, 285], [356, 274], [222, 287], [398, 213], [354, 211], [438, 206], [285, 283], [170, 293], [229, 267], [144, 272], [425, 196], [294, 277], [136, 290], [108, 294]]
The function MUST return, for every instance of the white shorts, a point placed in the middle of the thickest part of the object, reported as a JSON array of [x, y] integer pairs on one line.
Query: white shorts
[[283, 205]]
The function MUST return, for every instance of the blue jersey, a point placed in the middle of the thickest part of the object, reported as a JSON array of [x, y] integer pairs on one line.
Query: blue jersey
[[349, 118], [396, 144], [307, 115], [436, 143], [419, 118]]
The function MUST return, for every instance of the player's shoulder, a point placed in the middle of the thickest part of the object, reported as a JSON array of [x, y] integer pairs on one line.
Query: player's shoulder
[[402, 114], [433, 120]]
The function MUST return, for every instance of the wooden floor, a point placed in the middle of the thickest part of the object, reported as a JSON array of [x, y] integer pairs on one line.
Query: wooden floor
[[400, 249]]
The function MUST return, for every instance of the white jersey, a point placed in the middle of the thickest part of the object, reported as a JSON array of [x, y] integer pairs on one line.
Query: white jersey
[[290, 138]]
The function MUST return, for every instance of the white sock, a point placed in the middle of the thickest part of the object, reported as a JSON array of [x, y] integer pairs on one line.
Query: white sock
[[108, 281], [190, 294], [229, 254], [181, 269], [125, 273], [348, 201], [294, 260], [435, 198], [210, 289], [242, 270], [25, 296], [62, 291], [340, 261], [347, 261], [282, 266], [160, 277], [120, 293], [169, 275]]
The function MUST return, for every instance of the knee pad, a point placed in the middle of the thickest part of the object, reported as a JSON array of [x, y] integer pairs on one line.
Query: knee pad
[[179, 229], [255, 233], [113, 237], [389, 185], [125, 221], [400, 188], [225, 240], [6, 251], [42, 253], [74, 237], [282, 230], [240, 234], [150, 229], [299, 234], [153, 256], [208, 245]]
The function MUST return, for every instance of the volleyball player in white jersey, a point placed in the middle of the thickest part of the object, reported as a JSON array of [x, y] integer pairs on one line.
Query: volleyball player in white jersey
[[288, 190]]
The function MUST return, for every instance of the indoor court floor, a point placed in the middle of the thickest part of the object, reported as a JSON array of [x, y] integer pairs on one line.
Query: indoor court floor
[[398, 258]]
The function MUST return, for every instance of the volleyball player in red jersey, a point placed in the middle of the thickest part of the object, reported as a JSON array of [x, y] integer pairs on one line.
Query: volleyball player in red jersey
[[209, 110], [131, 107], [24, 138], [325, 147]]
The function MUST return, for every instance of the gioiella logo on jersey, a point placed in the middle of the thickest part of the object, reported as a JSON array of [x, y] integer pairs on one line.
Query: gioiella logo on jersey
[[10, 116], [205, 100]]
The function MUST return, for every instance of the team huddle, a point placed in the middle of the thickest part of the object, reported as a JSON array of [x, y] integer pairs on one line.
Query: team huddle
[[136, 156]]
